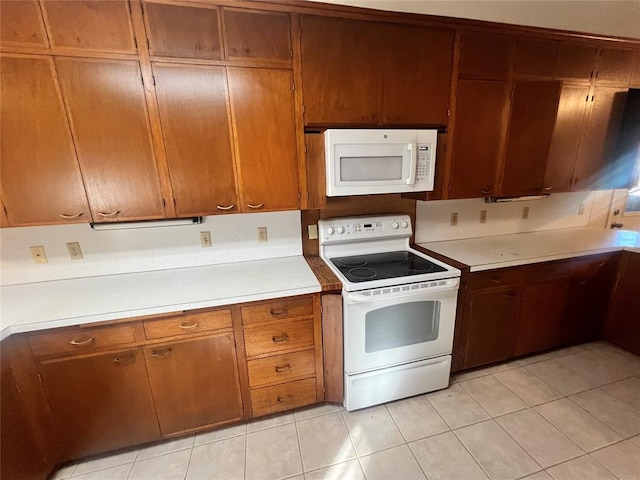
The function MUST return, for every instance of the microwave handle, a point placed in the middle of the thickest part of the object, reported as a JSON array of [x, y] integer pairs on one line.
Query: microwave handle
[[413, 151]]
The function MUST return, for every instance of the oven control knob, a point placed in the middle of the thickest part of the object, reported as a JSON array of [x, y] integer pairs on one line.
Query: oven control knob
[[404, 224], [330, 231], [340, 230], [394, 225]]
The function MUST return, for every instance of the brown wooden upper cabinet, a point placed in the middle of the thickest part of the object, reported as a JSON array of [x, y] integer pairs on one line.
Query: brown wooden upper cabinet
[[257, 35], [615, 66], [535, 57], [352, 67], [576, 61], [90, 25], [485, 56], [41, 181], [21, 24]]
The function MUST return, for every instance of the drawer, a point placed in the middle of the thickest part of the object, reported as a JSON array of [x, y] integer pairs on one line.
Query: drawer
[[278, 337], [540, 272], [80, 340], [283, 397], [281, 309], [496, 278], [186, 324], [591, 265], [281, 368]]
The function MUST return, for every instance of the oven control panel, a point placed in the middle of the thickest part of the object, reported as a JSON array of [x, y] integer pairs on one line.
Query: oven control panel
[[363, 228]]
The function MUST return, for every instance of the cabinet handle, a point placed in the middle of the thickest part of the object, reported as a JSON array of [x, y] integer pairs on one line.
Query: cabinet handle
[[228, 207], [69, 216], [485, 192], [286, 399], [283, 369], [111, 214], [255, 207], [282, 338], [494, 280], [163, 352], [582, 283], [547, 189], [509, 295], [82, 342], [279, 313], [126, 359], [188, 326]]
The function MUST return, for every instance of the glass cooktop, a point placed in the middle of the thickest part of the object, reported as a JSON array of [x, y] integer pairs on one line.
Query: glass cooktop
[[378, 266]]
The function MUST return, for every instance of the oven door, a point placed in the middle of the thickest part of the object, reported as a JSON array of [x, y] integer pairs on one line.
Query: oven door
[[395, 328]]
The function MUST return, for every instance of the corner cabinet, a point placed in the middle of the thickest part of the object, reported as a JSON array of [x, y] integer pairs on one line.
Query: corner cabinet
[[623, 327]]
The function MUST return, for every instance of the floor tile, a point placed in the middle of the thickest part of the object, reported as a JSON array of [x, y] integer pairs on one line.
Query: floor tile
[[621, 417], [416, 418], [443, 457], [316, 411], [457, 407], [121, 472], [270, 422], [105, 462], [221, 434], [636, 441], [598, 367], [584, 429], [546, 444], [64, 472], [222, 460], [397, 462], [541, 357], [627, 391], [165, 447], [169, 466], [582, 468], [494, 397], [372, 429], [496, 452], [621, 459], [273, 453], [541, 475], [324, 441], [560, 377], [462, 376], [527, 386], [504, 366], [343, 471]]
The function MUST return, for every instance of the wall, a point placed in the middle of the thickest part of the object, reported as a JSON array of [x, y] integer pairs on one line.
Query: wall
[[234, 239]]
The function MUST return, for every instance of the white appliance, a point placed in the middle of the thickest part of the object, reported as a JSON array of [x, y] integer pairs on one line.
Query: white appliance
[[363, 162], [399, 309]]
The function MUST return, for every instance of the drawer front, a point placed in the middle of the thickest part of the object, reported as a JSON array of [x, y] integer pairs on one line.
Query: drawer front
[[80, 340], [496, 278], [278, 337], [279, 310], [590, 266], [281, 368], [540, 272], [283, 397], [187, 324]]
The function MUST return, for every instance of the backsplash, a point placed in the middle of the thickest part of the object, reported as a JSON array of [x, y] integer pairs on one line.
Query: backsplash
[[560, 210], [234, 239]]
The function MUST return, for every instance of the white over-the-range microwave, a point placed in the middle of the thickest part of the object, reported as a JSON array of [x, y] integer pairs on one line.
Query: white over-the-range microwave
[[367, 161]]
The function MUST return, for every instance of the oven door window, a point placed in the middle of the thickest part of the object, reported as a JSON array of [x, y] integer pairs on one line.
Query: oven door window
[[401, 325]]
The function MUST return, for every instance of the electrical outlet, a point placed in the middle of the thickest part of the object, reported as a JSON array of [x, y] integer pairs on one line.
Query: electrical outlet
[[483, 216], [38, 255], [205, 239], [74, 251], [262, 234], [313, 232], [453, 220], [525, 213], [581, 209]]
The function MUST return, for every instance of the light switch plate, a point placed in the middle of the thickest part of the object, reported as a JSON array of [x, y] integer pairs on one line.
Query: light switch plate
[[313, 232]]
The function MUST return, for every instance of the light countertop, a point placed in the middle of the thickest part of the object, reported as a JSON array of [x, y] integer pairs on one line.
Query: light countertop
[[485, 253], [61, 303]]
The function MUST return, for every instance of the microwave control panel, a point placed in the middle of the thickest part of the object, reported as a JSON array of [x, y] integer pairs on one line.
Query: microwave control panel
[[423, 163]]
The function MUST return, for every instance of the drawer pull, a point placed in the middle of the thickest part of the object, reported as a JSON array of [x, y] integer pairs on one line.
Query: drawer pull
[[71, 216], [255, 207], [547, 189], [225, 207], [494, 280], [82, 342], [283, 369], [110, 214], [281, 338], [125, 359], [163, 352], [279, 313], [486, 192], [286, 399], [188, 326]]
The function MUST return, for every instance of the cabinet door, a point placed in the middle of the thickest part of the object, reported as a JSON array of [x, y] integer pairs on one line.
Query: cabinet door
[[264, 124], [614, 66], [534, 106], [181, 31], [535, 57], [485, 55], [607, 107], [256, 35], [576, 61], [340, 71], [476, 137], [21, 24], [416, 75], [100, 403], [623, 324], [90, 25], [565, 141], [106, 103], [492, 319], [635, 75], [195, 382], [193, 104], [41, 181]]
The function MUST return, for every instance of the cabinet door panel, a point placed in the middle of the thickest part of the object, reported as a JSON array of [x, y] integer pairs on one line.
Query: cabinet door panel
[[615, 66], [257, 35], [416, 75], [196, 129], [195, 383], [535, 57], [623, 326], [576, 60], [106, 102], [532, 117], [476, 137], [340, 71], [104, 25], [100, 403], [180, 31], [41, 182], [484, 55], [566, 137], [263, 115], [21, 24]]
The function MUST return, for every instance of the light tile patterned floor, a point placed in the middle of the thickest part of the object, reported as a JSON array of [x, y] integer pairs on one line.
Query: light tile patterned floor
[[569, 414]]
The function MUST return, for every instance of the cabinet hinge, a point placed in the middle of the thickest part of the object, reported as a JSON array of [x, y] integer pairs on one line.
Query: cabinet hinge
[[591, 75], [587, 98], [449, 188], [305, 148], [135, 40], [291, 52], [522, 297], [448, 112], [18, 389], [174, 202], [39, 377], [142, 79], [148, 46], [303, 108], [299, 196], [300, 32], [164, 203], [293, 86], [592, 98]]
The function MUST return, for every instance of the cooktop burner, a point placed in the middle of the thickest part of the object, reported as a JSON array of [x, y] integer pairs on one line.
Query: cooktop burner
[[378, 266]]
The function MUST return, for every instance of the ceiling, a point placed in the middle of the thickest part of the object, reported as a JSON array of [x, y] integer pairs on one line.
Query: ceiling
[[620, 18]]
